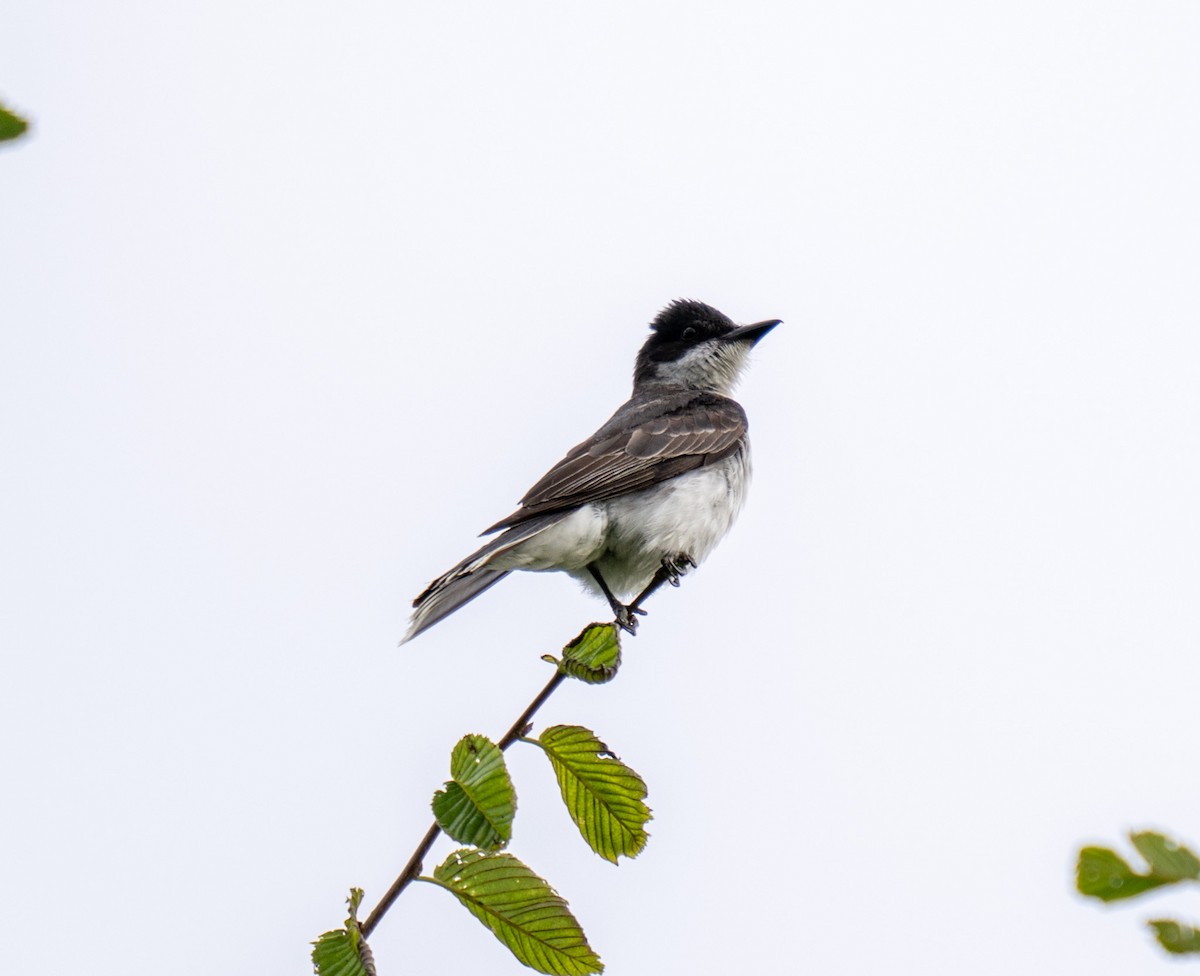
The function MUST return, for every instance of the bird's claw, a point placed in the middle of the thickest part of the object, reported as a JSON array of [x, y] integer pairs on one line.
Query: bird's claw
[[673, 569], [677, 566], [627, 619]]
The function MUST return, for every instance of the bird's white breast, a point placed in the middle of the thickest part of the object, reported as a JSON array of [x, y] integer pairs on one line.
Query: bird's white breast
[[688, 514], [627, 537]]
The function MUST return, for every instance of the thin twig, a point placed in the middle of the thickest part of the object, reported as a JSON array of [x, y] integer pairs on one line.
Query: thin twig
[[414, 866], [410, 872], [521, 724]]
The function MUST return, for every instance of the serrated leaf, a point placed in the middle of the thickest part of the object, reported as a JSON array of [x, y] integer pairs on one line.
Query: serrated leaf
[[1168, 860], [1175, 936], [594, 656], [344, 952], [521, 909], [603, 795], [337, 954], [1104, 874], [11, 125], [478, 804]]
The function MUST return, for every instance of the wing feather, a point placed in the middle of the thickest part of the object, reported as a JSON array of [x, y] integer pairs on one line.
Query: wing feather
[[643, 444]]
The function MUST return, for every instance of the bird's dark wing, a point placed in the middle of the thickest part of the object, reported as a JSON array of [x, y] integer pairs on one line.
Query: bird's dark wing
[[646, 442]]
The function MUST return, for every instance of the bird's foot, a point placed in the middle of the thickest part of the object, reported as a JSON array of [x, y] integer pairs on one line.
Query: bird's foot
[[627, 618], [675, 567]]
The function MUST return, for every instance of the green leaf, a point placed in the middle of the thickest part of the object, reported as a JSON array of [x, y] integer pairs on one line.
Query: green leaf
[[1168, 860], [594, 656], [602, 794], [11, 126], [1175, 936], [337, 954], [1105, 875], [344, 952], [478, 804], [521, 909]]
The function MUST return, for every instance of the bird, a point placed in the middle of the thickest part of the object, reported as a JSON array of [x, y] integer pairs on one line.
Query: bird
[[648, 496]]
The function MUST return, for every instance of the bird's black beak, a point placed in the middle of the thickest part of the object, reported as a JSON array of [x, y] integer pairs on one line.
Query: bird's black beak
[[751, 333]]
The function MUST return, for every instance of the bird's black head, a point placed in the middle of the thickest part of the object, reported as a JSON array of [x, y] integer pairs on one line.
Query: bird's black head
[[693, 345]]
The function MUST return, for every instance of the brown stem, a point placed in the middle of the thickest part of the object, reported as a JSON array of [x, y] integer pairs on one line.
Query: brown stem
[[521, 724], [414, 866], [407, 876]]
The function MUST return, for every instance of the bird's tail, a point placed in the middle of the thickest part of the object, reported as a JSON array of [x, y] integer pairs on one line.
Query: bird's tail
[[472, 576], [447, 594]]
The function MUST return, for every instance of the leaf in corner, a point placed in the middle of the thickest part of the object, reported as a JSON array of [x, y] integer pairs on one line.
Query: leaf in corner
[[478, 804], [1104, 874], [337, 954], [1176, 937], [344, 952], [521, 909], [603, 796], [1168, 860], [11, 125]]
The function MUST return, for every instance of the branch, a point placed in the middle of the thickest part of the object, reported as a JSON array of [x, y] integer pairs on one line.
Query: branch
[[413, 868]]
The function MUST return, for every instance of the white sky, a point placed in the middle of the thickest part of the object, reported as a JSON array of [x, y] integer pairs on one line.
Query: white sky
[[297, 297]]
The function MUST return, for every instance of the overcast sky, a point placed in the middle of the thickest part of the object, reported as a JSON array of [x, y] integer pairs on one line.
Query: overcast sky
[[297, 298]]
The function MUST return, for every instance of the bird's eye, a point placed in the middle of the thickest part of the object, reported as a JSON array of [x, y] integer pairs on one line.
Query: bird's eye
[[689, 333]]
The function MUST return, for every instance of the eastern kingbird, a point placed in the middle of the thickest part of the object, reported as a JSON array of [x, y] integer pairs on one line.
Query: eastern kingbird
[[646, 497]]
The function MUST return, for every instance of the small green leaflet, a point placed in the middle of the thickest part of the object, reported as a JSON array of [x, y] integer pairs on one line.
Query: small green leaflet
[[521, 909], [11, 126], [1104, 874], [478, 804], [344, 952], [1168, 860], [1176, 937], [594, 655], [602, 794]]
